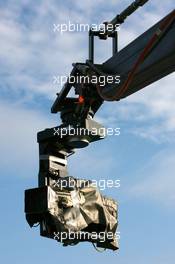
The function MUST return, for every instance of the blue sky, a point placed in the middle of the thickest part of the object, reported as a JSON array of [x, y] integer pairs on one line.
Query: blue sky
[[142, 157]]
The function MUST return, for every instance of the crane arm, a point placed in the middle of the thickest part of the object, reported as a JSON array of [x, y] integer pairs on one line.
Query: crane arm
[[147, 59]]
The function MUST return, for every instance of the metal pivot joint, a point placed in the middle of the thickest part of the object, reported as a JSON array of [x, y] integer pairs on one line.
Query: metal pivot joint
[[103, 36], [113, 33]]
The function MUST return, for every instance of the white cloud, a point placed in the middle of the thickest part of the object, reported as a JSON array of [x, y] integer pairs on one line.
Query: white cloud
[[156, 181], [18, 137], [149, 113]]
